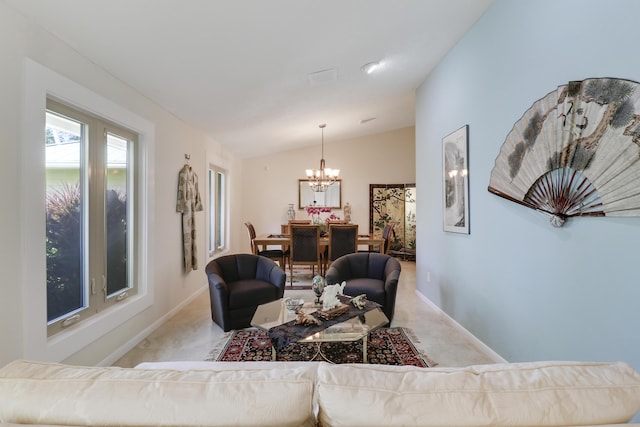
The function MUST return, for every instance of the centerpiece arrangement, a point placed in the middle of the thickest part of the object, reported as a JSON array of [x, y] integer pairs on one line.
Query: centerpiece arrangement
[[332, 307], [315, 213]]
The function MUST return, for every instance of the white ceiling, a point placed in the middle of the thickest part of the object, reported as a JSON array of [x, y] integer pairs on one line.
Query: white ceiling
[[239, 69]]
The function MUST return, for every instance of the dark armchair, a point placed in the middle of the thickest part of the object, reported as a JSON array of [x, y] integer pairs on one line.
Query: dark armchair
[[238, 284], [373, 274]]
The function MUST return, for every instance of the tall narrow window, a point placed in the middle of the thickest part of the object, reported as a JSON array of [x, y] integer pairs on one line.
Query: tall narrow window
[[118, 217], [89, 214], [66, 207], [217, 209]]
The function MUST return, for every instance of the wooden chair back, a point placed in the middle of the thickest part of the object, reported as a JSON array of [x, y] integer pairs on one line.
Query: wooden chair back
[[252, 235], [286, 229], [337, 221], [388, 234]]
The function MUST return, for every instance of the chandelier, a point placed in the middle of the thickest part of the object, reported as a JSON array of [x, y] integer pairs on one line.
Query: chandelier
[[321, 179]]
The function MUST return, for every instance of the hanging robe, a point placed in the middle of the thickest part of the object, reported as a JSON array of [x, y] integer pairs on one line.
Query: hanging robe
[[188, 203]]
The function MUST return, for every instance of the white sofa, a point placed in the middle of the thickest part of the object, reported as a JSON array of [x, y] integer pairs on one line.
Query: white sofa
[[310, 394]]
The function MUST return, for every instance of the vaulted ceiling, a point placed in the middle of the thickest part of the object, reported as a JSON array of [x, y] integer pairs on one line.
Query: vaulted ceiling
[[259, 76]]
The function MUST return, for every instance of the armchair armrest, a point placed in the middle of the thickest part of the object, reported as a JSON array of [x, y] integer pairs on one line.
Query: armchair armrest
[[391, 284], [278, 278], [217, 282], [214, 275], [270, 272]]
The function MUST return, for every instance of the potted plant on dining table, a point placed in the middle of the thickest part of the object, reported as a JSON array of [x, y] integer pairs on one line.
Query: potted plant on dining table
[[315, 213]]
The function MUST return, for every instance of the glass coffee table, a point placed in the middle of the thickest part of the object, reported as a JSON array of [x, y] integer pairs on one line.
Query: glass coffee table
[[357, 328]]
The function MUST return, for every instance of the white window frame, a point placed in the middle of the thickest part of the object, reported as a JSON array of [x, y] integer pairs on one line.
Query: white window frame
[[218, 218], [40, 83], [94, 167]]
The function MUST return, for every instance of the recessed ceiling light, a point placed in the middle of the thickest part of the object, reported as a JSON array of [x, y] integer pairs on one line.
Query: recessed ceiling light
[[370, 67]]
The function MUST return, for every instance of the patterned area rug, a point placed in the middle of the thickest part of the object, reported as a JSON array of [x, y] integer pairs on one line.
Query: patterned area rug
[[387, 346]]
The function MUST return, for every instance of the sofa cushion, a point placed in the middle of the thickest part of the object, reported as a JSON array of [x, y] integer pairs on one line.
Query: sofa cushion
[[519, 394], [47, 393]]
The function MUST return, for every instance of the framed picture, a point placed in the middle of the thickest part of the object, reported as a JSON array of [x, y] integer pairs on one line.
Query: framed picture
[[455, 181]]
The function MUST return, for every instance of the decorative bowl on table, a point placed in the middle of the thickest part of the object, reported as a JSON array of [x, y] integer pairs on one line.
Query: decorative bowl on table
[[293, 304]]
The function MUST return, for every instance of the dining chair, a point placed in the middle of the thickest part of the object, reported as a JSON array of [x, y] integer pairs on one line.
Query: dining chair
[[286, 229], [305, 248], [388, 235], [342, 240], [337, 221], [278, 255]]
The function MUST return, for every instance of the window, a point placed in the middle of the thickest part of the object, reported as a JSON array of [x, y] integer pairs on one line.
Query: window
[[90, 212], [217, 209], [40, 85]]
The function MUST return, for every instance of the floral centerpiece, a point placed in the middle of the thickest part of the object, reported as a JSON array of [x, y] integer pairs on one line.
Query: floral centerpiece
[[315, 212]]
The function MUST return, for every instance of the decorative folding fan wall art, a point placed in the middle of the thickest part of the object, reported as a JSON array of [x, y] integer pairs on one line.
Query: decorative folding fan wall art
[[575, 152]]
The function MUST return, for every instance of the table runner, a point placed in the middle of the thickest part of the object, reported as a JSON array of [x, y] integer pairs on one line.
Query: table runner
[[289, 332]]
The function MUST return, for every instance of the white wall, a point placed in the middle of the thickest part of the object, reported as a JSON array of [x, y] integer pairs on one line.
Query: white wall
[[271, 182], [528, 290], [10, 86], [173, 138]]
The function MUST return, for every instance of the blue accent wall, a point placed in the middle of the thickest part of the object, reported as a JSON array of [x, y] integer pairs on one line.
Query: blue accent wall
[[528, 290]]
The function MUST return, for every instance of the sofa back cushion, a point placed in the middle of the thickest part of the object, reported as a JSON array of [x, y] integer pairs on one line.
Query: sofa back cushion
[[519, 394], [46, 393]]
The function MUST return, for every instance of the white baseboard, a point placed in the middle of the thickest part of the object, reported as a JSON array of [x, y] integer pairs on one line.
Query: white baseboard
[[129, 345], [485, 348]]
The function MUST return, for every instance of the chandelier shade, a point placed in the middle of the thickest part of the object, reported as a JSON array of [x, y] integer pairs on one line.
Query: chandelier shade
[[320, 179]]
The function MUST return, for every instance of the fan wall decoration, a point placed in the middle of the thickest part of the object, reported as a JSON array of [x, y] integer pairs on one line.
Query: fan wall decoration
[[575, 152]]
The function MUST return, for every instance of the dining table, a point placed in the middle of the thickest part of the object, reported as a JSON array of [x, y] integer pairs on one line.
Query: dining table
[[264, 240]]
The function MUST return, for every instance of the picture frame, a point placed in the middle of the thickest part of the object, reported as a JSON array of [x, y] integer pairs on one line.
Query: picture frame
[[455, 181]]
